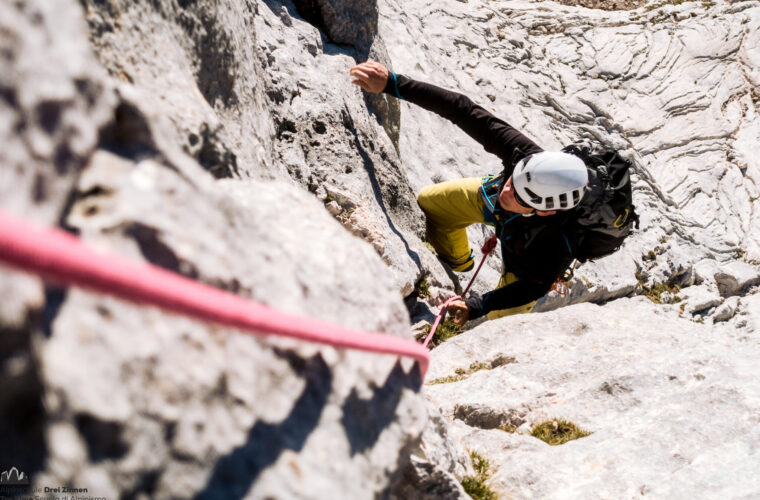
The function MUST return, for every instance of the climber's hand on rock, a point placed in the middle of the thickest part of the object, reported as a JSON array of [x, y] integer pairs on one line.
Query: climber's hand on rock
[[370, 75], [459, 312]]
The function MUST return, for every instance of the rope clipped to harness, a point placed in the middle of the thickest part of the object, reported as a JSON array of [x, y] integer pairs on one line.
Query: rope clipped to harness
[[487, 248]]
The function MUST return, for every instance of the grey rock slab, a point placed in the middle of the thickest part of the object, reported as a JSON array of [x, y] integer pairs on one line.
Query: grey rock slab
[[425, 481], [748, 316], [726, 310], [699, 298], [217, 218], [202, 419], [736, 277], [643, 381], [54, 98], [198, 67], [437, 466], [330, 138]]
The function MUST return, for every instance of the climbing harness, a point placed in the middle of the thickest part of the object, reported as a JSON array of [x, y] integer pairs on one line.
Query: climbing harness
[[487, 248], [60, 257]]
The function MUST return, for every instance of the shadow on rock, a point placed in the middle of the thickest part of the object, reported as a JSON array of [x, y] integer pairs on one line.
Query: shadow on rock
[[365, 419], [235, 473], [369, 166]]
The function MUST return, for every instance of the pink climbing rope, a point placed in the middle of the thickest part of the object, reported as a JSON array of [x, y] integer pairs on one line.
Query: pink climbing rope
[[58, 256], [487, 248]]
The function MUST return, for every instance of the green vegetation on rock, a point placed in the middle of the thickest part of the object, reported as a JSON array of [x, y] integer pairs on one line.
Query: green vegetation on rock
[[476, 486], [558, 431], [446, 330], [654, 292], [423, 289], [461, 373]]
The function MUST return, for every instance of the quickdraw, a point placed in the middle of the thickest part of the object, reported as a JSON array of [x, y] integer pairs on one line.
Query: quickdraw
[[562, 285]]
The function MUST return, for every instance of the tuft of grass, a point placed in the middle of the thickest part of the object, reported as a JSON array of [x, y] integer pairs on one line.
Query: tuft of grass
[[476, 486], [461, 373], [509, 428], [476, 366], [657, 5], [558, 431], [423, 289], [654, 292], [478, 489], [446, 380], [446, 330], [479, 463]]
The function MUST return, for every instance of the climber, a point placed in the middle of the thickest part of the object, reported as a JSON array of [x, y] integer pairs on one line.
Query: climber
[[535, 250]]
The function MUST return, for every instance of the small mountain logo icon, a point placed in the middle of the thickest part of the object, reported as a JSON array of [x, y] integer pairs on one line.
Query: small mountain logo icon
[[13, 477]]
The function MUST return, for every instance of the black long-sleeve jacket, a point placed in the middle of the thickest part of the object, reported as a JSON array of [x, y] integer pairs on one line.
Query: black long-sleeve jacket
[[535, 249]]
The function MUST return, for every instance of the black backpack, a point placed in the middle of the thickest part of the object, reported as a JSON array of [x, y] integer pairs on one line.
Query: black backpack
[[605, 216]]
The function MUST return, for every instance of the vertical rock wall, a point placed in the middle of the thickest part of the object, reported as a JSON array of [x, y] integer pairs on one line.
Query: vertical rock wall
[[149, 129]]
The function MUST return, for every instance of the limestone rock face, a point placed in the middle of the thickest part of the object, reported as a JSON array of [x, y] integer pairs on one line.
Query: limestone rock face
[[223, 140], [674, 88], [128, 401], [671, 404]]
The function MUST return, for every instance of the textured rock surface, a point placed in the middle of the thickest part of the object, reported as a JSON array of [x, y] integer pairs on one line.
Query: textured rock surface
[[130, 402], [672, 405], [674, 87], [156, 128]]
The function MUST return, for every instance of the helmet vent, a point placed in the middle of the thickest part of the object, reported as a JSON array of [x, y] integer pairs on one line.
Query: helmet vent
[[549, 203], [576, 196], [533, 196], [563, 200], [527, 176]]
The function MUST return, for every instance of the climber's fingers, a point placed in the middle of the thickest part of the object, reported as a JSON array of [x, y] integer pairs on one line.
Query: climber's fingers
[[360, 73], [459, 312], [370, 75], [360, 84]]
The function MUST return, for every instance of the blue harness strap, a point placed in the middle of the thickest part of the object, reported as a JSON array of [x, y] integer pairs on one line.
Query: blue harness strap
[[489, 201]]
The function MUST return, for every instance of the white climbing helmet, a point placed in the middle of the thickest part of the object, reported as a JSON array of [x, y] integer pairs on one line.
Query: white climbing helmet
[[550, 180]]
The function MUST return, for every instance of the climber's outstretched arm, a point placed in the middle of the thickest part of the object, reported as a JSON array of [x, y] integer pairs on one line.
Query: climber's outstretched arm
[[496, 135]]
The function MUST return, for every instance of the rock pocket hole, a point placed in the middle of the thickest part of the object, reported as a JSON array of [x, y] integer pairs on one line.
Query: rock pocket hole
[[558, 431]]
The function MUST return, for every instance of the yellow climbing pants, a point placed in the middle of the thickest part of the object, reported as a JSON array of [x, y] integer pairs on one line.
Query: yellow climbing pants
[[449, 208]]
